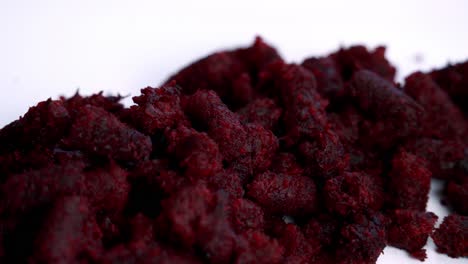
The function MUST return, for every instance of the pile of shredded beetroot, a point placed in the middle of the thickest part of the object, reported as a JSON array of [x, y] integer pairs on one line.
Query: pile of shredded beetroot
[[242, 158]]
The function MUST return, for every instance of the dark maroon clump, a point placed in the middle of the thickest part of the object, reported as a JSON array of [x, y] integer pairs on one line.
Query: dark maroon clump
[[241, 158], [157, 109], [255, 247], [395, 115], [355, 58], [323, 232], [451, 237], [409, 230], [146, 253], [285, 194], [442, 119], [44, 124], [208, 111], [362, 240], [327, 74], [23, 192], [444, 157], [196, 153], [457, 195], [410, 181], [247, 215], [229, 181], [454, 79], [286, 163], [231, 74], [109, 103], [69, 233], [261, 111], [353, 193], [298, 248], [100, 133]]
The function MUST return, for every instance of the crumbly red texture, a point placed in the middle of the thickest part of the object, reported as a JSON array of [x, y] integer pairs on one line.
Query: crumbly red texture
[[262, 111], [409, 230], [240, 158], [364, 238], [410, 182], [285, 194], [98, 132], [69, 233], [196, 153], [444, 157], [454, 79], [457, 195], [156, 109], [451, 237], [443, 119], [358, 58], [327, 74], [394, 114], [43, 124], [353, 192]]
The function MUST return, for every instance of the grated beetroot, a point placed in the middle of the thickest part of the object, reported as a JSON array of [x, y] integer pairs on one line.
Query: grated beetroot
[[409, 230], [451, 237], [241, 158]]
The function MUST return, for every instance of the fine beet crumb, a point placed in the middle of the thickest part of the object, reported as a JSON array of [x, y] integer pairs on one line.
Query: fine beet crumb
[[410, 181], [457, 194], [409, 230], [453, 79], [241, 157], [299, 196], [99, 133], [451, 237]]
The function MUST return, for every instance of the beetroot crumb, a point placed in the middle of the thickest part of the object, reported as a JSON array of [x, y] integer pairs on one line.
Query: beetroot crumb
[[451, 237], [37, 188], [457, 195], [409, 230], [70, 233], [442, 119], [453, 79], [329, 81], [247, 215], [223, 126], [398, 115], [44, 124], [410, 181], [229, 181], [364, 239], [157, 109], [142, 253], [261, 111], [196, 152], [323, 232], [353, 193], [256, 247], [443, 156], [357, 58], [286, 163], [121, 142], [241, 157], [286, 194], [296, 245]]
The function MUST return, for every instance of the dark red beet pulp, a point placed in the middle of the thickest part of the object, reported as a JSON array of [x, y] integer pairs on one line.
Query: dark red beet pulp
[[241, 158]]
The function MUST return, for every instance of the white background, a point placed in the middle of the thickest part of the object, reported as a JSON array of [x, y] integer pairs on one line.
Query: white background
[[50, 48]]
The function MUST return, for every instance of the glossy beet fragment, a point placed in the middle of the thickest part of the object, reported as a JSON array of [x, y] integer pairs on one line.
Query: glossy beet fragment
[[241, 157]]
